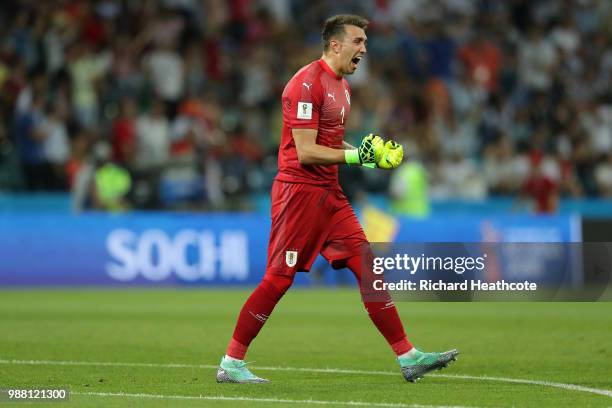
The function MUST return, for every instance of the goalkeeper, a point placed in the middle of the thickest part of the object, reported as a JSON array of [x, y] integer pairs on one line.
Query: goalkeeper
[[310, 213]]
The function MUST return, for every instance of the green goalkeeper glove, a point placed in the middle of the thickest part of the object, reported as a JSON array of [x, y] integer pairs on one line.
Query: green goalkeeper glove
[[370, 151], [392, 155]]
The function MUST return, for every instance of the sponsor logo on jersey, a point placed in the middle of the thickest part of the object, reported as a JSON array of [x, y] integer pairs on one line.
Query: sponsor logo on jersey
[[304, 110]]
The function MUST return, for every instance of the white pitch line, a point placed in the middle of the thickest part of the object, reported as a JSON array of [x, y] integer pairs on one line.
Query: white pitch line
[[569, 387], [564, 386], [273, 400]]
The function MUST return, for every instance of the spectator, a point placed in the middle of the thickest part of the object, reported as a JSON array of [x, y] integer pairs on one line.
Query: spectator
[[565, 35], [537, 59], [10, 176], [56, 146], [603, 176], [167, 74], [101, 184], [123, 133], [457, 177], [85, 69], [409, 190], [504, 170], [30, 140], [597, 122], [153, 136], [79, 150], [482, 60], [540, 188]]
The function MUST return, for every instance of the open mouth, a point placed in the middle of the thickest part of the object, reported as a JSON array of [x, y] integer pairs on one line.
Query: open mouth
[[356, 60]]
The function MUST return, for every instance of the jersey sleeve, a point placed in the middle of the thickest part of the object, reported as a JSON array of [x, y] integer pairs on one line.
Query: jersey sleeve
[[302, 104]]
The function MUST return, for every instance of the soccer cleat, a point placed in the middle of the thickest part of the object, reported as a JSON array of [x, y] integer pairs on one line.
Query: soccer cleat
[[423, 363], [235, 371]]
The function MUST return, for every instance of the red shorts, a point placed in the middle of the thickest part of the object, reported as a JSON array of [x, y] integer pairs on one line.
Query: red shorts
[[308, 220]]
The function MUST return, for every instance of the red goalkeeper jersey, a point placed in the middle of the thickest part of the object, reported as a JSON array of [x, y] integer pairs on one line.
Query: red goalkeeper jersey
[[315, 98]]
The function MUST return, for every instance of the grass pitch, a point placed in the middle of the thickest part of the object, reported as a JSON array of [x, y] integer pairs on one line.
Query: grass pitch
[[159, 348]]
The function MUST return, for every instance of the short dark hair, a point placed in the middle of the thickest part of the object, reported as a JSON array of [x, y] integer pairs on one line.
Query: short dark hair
[[334, 26]]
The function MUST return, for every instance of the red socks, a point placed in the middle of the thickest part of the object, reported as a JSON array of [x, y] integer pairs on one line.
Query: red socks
[[383, 314], [236, 349], [260, 304], [255, 312]]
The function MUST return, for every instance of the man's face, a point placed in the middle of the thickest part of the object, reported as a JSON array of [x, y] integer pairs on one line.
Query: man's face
[[351, 48]]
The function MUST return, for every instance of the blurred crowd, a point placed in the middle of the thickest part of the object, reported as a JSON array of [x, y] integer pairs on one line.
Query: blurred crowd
[[175, 103]]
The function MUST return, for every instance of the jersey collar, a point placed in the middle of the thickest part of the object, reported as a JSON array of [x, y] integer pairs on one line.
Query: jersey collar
[[327, 69]]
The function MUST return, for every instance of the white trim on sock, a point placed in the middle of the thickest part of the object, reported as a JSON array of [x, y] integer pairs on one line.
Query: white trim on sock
[[412, 353]]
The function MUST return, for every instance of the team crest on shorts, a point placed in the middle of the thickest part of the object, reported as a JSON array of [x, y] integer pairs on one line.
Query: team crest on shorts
[[291, 258]]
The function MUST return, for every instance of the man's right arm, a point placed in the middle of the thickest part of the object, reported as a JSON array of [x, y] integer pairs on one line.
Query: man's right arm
[[301, 106], [302, 102], [309, 152]]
